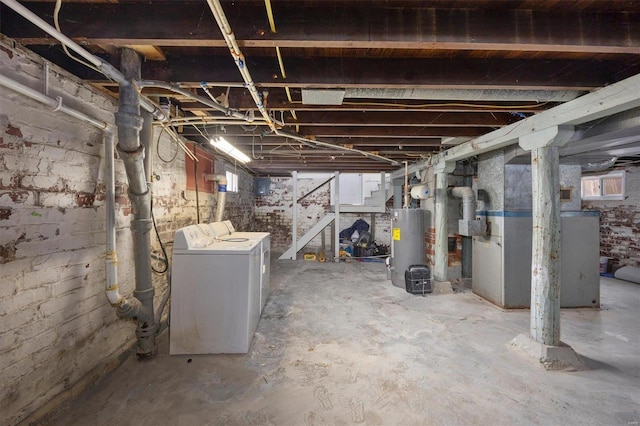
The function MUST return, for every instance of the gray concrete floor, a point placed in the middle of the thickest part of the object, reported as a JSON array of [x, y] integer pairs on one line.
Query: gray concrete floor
[[338, 345]]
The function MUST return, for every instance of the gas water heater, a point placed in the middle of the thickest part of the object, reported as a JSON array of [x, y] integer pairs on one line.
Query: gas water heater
[[407, 242]]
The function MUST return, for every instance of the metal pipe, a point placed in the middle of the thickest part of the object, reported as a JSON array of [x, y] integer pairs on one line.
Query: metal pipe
[[132, 152], [176, 89], [55, 104], [102, 66], [406, 185], [238, 57], [313, 143], [146, 137]]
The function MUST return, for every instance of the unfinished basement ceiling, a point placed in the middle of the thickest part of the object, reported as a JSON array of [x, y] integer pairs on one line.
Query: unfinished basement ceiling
[[399, 79]]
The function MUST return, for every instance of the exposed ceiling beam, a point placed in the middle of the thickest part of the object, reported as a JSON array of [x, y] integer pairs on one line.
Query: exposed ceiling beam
[[279, 102], [430, 73], [383, 26], [391, 132], [420, 119]]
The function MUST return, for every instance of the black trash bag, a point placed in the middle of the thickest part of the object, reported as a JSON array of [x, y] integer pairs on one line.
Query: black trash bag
[[359, 225]]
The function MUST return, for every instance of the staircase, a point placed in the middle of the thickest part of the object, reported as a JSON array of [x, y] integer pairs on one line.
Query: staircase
[[374, 203], [292, 251]]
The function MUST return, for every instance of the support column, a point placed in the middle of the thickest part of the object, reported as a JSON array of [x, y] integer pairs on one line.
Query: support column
[[441, 258], [543, 341], [545, 262], [294, 216], [336, 221]]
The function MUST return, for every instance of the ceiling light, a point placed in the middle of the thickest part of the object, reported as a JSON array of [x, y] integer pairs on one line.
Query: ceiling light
[[223, 145]]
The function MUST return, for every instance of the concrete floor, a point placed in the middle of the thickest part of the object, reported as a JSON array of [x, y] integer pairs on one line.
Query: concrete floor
[[338, 345]]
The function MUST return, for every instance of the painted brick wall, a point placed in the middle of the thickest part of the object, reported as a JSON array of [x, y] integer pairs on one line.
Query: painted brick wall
[[58, 333], [620, 223], [274, 213]]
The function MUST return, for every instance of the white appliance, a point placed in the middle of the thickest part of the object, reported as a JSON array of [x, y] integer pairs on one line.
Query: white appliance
[[220, 285]]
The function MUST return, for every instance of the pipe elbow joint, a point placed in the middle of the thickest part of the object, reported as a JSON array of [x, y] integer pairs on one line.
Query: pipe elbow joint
[[113, 296], [464, 192], [133, 308]]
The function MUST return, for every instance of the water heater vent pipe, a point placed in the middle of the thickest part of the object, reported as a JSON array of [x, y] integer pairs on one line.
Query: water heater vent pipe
[[468, 201], [406, 185]]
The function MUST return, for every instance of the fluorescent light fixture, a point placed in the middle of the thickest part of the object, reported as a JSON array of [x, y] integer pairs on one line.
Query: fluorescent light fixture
[[221, 143]]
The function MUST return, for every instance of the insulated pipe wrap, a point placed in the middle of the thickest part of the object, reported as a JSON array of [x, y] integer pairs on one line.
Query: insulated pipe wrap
[[468, 201]]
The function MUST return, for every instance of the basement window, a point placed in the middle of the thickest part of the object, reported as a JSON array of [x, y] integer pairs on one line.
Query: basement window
[[566, 195], [232, 182], [604, 187]]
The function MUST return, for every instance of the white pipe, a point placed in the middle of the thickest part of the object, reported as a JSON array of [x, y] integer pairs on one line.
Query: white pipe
[[222, 194], [111, 257], [468, 201], [238, 57], [104, 67], [313, 143], [55, 104], [176, 89]]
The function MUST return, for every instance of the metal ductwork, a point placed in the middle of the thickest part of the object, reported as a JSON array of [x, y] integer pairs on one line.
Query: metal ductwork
[[486, 95]]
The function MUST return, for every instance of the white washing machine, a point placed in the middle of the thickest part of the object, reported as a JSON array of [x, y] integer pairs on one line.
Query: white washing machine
[[218, 291]]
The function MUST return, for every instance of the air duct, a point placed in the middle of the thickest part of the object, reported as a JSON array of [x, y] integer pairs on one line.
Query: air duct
[[485, 95], [598, 166], [468, 225]]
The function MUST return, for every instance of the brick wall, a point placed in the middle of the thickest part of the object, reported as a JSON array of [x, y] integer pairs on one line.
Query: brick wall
[[620, 223], [58, 333], [273, 213]]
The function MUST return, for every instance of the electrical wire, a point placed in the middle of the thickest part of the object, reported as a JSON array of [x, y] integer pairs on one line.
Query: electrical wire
[[158, 148], [253, 151], [440, 105], [195, 176], [56, 13], [165, 259]]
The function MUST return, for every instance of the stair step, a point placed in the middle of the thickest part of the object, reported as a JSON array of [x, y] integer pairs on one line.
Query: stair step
[[308, 236]]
